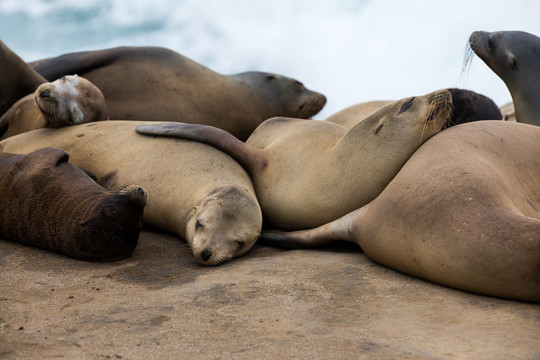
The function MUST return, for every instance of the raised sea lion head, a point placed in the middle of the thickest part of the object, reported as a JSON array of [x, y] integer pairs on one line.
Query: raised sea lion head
[[70, 100], [222, 226]]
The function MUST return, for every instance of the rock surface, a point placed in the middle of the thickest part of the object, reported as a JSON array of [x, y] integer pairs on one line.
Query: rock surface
[[268, 304]]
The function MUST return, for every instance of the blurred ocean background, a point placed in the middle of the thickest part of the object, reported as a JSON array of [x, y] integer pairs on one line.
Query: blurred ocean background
[[352, 51]]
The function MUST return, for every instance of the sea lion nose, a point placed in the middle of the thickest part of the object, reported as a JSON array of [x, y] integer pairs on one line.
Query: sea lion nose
[[206, 254], [45, 94]]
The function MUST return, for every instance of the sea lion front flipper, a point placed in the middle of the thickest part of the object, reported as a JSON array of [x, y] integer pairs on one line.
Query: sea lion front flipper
[[247, 156]]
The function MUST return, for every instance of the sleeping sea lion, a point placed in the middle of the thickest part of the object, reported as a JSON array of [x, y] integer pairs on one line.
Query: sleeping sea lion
[[157, 84], [196, 191], [50, 203], [309, 172], [67, 101], [464, 212]]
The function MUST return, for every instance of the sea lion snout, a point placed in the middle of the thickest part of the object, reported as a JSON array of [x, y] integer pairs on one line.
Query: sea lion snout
[[441, 102], [312, 105], [206, 254]]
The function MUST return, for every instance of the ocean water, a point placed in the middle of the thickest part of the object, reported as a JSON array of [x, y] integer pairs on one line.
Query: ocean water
[[351, 51]]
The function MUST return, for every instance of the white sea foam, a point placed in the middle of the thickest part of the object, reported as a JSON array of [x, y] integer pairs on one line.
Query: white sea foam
[[352, 51]]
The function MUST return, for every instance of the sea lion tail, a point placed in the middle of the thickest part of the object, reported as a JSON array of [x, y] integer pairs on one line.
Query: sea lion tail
[[247, 156]]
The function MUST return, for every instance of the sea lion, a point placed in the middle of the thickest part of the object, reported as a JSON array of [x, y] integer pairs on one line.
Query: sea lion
[[157, 84], [17, 79], [196, 191], [467, 106], [464, 212], [67, 101], [514, 56], [50, 203], [309, 172]]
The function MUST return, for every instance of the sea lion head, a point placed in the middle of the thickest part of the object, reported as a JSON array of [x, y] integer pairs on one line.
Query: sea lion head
[[217, 228], [55, 205], [286, 96], [110, 230], [411, 121], [70, 100], [514, 57]]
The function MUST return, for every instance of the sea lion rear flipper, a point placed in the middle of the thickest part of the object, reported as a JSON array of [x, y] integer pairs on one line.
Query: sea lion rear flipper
[[246, 155], [73, 63], [289, 240]]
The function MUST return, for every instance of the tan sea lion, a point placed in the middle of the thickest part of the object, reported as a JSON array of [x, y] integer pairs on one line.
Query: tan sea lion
[[196, 191], [464, 212], [514, 56], [67, 101], [467, 106], [157, 84], [17, 79], [309, 172], [50, 203]]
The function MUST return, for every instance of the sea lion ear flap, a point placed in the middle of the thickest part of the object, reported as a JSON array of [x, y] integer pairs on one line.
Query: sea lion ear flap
[[49, 155], [108, 181], [512, 62]]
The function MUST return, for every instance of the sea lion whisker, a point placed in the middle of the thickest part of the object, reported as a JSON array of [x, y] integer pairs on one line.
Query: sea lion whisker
[[467, 62]]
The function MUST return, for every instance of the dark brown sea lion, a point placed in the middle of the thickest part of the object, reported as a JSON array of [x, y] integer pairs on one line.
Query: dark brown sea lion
[[515, 57], [309, 172], [51, 204], [464, 212], [157, 84], [67, 101]]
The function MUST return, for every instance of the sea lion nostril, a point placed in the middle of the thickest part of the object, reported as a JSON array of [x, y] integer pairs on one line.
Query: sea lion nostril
[[206, 254], [45, 94]]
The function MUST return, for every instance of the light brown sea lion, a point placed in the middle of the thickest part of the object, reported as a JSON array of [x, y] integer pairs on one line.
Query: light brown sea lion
[[464, 212], [67, 101], [157, 84], [50, 203], [467, 106], [309, 172], [17, 79], [514, 56], [196, 191]]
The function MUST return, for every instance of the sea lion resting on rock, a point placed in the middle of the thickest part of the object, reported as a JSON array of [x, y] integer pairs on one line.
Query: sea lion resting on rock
[[157, 84], [464, 212], [467, 106], [514, 56], [67, 101], [309, 172], [196, 191], [51, 204]]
